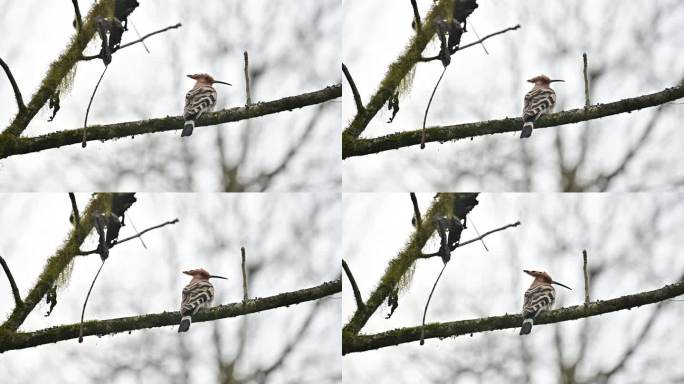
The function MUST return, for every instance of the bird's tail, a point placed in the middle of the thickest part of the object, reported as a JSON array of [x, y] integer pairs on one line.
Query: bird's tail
[[185, 324], [527, 130], [188, 127], [527, 326]]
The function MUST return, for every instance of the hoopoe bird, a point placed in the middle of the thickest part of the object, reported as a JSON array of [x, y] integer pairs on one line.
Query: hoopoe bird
[[540, 100], [201, 98], [196, 295], [539, 297]]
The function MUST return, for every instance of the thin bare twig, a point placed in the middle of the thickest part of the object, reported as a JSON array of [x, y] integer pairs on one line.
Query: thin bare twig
[[355, 91], [80, 332], [429, 255], [586, 278], [248, 90], [85, 122], [422, 329], [174, 221], [74, 209], [587, 103], [93, 57], [416, 211], [416, 16], [355, 288], [427, 109], [15, 87], [79, 20], [13, 284], [244, 277], [431, 58]]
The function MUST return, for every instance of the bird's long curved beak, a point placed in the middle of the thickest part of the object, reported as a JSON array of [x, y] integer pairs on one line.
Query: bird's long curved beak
[[562, 285], [190, 76], [218, 277], [526, 271], [553, 81], [187, 273], [222, 82]]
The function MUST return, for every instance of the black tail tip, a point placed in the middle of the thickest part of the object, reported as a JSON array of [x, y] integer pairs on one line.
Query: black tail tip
[[526, 131], [187, 130], [184, 326], [526, 328]]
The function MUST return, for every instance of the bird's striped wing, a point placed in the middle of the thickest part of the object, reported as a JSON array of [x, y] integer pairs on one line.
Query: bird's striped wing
[[199, 100], [537, 299], [538, 102], [196, 296]]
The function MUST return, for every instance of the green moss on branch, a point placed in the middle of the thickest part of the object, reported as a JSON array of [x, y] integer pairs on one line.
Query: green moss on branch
[[58, 264], [398, 70], [400, 265], [61, 67]]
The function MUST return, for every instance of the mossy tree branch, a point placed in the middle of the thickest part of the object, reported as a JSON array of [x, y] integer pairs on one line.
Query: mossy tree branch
[[61, 67], [56, 264], [10, 145], [359, 147], [399, 265], [359, 343], [12, 341], [397, 71]]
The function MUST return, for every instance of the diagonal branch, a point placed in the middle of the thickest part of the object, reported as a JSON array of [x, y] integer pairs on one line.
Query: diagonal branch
[[13, 341], [10, 146], [352, 281], [426, 59], [60, 68], [56, 264], [77, 11], [399, 265], [15, 87], [355, 91], [360, 147], [396, 72], [427, 256], [13, 284], [137, 235], [140, 40], [359, 343], [416, 16]]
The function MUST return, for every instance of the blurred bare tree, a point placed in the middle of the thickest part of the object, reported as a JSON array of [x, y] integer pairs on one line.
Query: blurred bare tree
[[634, 54], [292, 50], [632, 241], [291, 242]]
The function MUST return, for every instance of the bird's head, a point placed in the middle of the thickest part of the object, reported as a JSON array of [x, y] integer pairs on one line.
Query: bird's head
[[542, 80], [206, 79], [544, 277], [202, 274]]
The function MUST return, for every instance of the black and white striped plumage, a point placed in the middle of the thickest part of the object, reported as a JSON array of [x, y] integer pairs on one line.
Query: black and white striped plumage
[[196, 295], [537, 299], [201, 98], [538, 101]]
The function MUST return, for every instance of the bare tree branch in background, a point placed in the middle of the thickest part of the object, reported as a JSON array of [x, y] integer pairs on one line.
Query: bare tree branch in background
[[15, 87], [13, 284]]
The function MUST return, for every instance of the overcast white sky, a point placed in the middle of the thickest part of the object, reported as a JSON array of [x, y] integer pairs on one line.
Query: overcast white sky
[[636, 53], [292, 237], [293, 49], [634, 236]]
